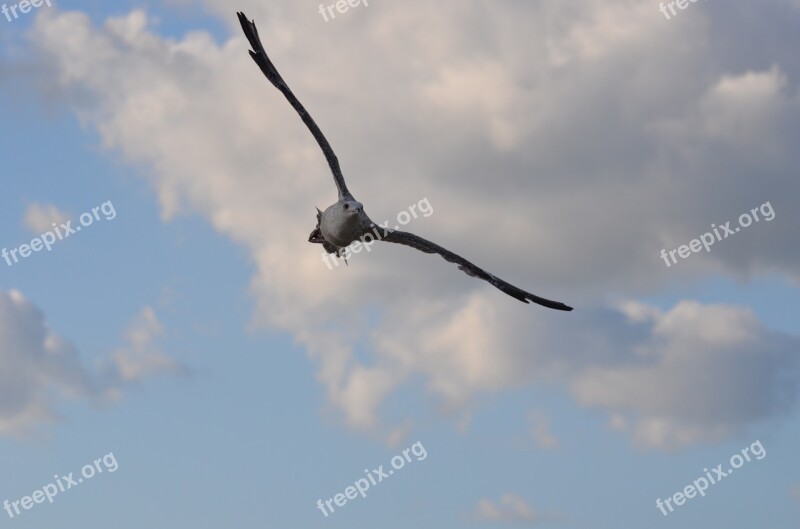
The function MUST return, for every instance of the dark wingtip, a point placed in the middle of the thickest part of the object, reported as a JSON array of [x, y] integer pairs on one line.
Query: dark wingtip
[[556, 305], [560, 306], [250, 31]]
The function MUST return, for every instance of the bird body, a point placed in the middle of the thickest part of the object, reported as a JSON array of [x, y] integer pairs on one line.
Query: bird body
[[345, 221]]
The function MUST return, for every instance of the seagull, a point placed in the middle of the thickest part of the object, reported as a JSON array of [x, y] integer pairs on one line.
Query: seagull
[[345, 221]]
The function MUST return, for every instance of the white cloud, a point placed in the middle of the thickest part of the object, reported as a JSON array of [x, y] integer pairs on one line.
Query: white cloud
[[142, 357], [700, 373], [40, 369], [569, 142], [37, 366], [540, 430], [39, 218]]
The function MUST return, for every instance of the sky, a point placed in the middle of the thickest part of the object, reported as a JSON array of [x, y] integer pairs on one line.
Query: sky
[[187, 359]]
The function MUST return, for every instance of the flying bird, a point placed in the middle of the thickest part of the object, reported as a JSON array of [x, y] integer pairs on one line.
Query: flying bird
[[345, 221]]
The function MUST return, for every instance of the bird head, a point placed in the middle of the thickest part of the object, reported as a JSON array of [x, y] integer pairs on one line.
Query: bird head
[[351, 207], [346, 211]]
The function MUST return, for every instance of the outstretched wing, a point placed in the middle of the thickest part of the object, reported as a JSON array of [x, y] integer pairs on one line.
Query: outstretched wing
[[415, 241], [260, 57]]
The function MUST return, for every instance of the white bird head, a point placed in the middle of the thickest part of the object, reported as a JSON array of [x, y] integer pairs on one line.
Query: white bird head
[[345, 211]]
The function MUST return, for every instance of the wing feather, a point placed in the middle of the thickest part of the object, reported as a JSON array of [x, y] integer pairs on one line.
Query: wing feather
[[259, 55], [424, 245]]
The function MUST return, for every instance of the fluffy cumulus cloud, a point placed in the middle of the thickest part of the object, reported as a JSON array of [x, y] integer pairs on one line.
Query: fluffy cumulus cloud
[[694, 373], [701, 373], [36, 365], [39, 368], [583, 136]]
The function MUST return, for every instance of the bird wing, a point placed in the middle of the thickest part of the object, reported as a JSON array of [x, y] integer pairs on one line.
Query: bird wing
[[423, 245], [260, 57]]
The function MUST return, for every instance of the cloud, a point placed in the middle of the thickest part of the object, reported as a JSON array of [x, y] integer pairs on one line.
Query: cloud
[[39, 218], [510, 508], [37, 365], [40, 369], [560, 132], [540, 430], [142, 357], [702, 372], [694, 373]]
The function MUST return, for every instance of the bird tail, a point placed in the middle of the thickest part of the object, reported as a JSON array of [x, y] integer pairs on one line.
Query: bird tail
[[316, 235]]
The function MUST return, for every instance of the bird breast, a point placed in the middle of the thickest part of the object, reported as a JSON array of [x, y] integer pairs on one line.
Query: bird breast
[[340, 230]]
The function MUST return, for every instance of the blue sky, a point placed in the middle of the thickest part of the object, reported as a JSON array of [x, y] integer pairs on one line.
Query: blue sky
[[237, 380]]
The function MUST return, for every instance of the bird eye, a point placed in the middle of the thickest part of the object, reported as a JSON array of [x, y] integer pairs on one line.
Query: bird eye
[[347, 206]]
